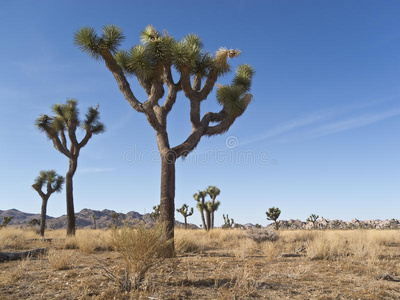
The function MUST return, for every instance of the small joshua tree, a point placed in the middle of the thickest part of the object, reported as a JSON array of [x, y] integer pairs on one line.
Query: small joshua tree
[[64, 124], [34, 222], [313, 218], [6, 220], [155, 215], [273, 214], [229, 223], [213, 192], [115, 216], [201, 206], [53, 183], [185, 213], [94, 221]]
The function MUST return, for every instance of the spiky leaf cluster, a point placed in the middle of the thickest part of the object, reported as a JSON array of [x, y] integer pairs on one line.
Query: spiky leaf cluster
[[156, 51], [234, 97], [53, 181], [67, 118], [87, 40]]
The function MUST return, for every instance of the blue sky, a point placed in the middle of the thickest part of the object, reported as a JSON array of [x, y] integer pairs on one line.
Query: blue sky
[[321, 136]]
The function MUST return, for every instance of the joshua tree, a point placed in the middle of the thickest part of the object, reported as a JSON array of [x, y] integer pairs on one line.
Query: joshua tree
[[34, 222], [6, 220], [313, 218], [53, 183], [228, 222], [94, 221], [201, 206], [152, 62], [155, 215], [62, 125], [213, 192], [211, 207], [115, 216], [273, 214], [185, 213]]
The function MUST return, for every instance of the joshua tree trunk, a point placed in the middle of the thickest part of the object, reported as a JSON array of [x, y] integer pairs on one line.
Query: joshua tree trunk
[[185, 222], [73, 164], [208, 216], [43, 217], [203, 220], [167, 203]]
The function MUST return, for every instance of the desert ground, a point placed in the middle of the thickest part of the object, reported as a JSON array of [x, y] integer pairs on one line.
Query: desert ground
[[220, 264]]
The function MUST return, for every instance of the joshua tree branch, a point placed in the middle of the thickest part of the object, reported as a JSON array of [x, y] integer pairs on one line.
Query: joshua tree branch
[[122, 82], [63, 139], [58, 145], [86, 139]]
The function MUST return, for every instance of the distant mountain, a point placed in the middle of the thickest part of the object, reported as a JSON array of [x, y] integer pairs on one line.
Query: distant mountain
[[84, 219]]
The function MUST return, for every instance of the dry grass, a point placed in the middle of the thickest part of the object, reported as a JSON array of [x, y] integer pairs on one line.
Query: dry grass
[[221, 264]]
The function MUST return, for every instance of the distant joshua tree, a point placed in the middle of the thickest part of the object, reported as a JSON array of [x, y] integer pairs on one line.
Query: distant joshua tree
[[34, 222], [273, 214], [229, 223], [212, 206], [201, 206], [115, 216], [185, 213], [94, 221], [6, 220], [53, 183], [155, 215], [57, 128], [313, 218]]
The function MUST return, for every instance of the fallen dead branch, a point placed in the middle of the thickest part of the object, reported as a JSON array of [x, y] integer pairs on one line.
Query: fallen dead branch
[[5, 256]]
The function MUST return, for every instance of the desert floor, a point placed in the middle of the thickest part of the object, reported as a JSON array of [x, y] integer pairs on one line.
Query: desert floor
[[221, 264]]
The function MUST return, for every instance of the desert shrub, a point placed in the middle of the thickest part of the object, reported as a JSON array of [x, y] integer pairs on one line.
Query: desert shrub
[[185, 243], [89, 241], [60, 259], [141, 250], [245, 248], [271, 250], [262, 235]]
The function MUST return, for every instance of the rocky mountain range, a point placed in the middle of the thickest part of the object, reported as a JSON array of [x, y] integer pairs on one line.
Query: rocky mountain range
[[84, 219]]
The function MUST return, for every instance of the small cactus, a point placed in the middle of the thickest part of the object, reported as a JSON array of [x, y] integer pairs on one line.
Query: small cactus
[[228, 222]]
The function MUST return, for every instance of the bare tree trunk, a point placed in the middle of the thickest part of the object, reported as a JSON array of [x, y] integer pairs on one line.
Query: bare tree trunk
[[208, 216], [167, 199], [203, 220], [43, 217], [185, 222], [73, 163]]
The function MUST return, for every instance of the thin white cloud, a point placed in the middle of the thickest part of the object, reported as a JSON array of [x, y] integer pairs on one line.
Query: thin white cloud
[[95, 170], [352, 123], [323, 116]]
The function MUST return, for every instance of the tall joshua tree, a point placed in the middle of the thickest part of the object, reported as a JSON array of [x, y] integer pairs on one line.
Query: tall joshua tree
[[273, 214], [213, 192], [64, 124], [53, 183], [185, 213], [152, 62], [201, 206]]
